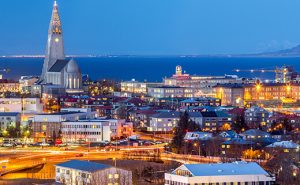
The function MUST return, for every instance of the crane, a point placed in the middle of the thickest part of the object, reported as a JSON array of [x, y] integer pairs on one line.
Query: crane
[[283, 74], [255, 70]]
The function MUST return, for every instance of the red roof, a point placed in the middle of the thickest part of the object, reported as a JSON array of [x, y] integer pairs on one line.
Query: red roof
[[236, 111]]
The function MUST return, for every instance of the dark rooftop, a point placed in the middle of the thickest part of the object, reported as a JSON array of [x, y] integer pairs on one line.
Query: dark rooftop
[[230, 85], [58, 65], [9, 113], [62, 113], [209, 114]]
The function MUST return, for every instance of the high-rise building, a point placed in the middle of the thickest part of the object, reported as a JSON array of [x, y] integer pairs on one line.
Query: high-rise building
[[57, 70]]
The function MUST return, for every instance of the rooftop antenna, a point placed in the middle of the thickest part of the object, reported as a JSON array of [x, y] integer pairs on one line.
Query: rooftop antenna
[[55, 3]]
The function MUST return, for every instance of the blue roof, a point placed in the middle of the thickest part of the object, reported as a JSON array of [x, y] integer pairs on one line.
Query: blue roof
[[230, 133], [83, 165], [219, 169], [238, 141], [189, 101], [9, 113]]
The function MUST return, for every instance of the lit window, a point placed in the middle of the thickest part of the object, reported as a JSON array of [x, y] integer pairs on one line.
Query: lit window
[[116, 176], [110, 176]]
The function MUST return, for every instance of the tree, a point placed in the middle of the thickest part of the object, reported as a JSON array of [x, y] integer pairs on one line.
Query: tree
[[59, 134], [12, 132], [184, 125], [26, 131], [54, 136], [180, 131], [282, 165], [240, 124]]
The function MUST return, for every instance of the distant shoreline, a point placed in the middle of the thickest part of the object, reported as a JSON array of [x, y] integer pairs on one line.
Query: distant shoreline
[[158, 56]]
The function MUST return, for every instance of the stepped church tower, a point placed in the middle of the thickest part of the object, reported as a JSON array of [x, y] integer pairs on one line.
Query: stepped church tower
[[57, 70]]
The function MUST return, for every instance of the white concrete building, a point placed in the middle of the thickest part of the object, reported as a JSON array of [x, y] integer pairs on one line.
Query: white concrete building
[[93, 130], [46, 126], [9, 119], [202, 84], [134, 86], [236, 173], [25, 105], [171, 91], [76, 172], [167, 121], [163, 121]]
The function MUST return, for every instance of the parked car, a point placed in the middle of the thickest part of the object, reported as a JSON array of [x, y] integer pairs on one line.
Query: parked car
[[44, 144], [8, 145], [62, 145]]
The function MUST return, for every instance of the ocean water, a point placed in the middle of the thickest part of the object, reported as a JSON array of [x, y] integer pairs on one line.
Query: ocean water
[[154, 68]]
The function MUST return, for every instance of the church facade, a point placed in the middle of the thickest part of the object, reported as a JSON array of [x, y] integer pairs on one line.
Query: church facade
[[57, 69]]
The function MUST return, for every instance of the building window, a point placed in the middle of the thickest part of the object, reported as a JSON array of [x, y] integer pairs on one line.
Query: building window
[[110, 176], [116, 176]]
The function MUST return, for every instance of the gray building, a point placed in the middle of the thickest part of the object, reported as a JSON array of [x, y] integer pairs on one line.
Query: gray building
[[256, 117], [58, 70]]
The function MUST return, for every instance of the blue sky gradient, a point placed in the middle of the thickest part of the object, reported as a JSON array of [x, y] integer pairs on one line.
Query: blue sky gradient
[[152, 27]]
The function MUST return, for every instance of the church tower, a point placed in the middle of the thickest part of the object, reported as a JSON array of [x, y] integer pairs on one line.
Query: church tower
[[59, 72], [55, 43]]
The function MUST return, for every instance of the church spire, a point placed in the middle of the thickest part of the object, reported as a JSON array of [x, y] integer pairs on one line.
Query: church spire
[[55, 24], [55, 43]]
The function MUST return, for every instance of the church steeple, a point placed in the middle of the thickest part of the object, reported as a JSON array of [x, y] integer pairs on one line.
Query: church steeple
[[55, 43], [55, 24]]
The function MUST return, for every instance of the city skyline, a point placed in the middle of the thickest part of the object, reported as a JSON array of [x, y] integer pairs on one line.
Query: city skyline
[[183, 28], [145, 117]]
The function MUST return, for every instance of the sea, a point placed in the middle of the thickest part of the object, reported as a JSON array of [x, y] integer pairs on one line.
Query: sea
[[154, 69]]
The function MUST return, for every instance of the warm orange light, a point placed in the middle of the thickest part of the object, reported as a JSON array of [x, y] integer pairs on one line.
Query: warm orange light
[[288, 88], [258, 87]]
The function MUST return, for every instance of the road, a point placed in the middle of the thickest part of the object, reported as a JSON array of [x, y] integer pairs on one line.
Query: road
[[13, 160]]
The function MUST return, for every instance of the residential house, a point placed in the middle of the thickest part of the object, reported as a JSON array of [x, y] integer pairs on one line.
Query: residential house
[[256, 117]]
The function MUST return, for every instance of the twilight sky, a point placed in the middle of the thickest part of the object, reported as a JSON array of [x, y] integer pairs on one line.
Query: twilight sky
[[152, 27]]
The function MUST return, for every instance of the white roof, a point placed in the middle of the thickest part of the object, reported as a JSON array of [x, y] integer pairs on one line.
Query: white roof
[[284, 144], [221, 169]]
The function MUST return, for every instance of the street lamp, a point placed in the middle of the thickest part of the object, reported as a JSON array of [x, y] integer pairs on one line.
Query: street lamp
[[258, 86], [195, 144]]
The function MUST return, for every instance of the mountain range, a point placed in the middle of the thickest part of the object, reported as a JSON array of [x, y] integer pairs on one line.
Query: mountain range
[[292, 52]]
